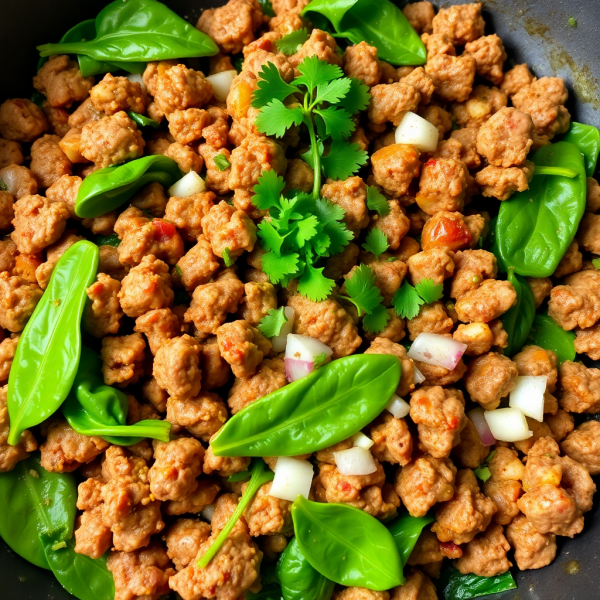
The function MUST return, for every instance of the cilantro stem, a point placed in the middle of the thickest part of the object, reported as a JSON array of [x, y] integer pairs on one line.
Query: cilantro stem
[[315, 155]]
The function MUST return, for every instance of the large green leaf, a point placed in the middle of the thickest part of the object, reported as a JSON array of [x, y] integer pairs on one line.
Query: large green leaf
[[550, 336], [518, 320]]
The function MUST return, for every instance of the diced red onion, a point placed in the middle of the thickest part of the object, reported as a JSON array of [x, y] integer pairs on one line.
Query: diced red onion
[[355, 461], [528, 396], [296, 369], [477, 417], [302, 347], [418, 376], [279, 342], [508, 424], [437, 350], [360, 440], [293, 478], [398, 407]]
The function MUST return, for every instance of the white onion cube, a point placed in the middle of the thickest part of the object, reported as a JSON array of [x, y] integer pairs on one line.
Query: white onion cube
[[209, 511], [137, 78], [418, 376], [398, 407], [355, 461], [302, 347], [437, 350], [362, 441], [418, 132], [293, 478], [188, 185], [508, 424], [279, 342], [221, 83], [528, 396]]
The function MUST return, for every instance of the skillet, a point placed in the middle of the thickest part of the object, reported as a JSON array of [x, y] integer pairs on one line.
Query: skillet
[[533, 31]]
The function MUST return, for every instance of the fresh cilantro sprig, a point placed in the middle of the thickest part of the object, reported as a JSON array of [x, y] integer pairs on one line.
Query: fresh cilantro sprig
[[408, 300], [290, 44], [365, 295], [270, 325], [376, 201], [376, 242], [222, 162]]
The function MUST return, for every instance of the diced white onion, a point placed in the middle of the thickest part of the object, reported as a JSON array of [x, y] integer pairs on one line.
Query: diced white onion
[[355, 461], [302, 347], [137, 78], [209, 511], [360, 440], [528, 396], [279, 342], [11, 179], [508, 424], [297, 369], [477, 417], [438, 350], [418, 376], [221, 83], [398, 407], [188, 185], [418, 132], [293, 478]]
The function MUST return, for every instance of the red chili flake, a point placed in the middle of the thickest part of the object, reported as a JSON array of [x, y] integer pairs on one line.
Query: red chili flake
[[163, 230]]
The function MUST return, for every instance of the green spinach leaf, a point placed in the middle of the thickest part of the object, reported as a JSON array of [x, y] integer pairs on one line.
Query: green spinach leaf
[[518, 320], [380, 23], [455, 586], [36, 502], [84, 577], [550, 336], [299, 580], [535, 228], [587, 139], [93, 408], [138, 31], [346, 545], [108, 188], [315, 412], [406, 531], [48, 352]]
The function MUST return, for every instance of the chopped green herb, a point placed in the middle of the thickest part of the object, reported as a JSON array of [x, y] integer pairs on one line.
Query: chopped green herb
[[178, 270], [391, 259], [483, 471], [595, 261], [343, 160], [376, 242], [227, 258], [320, 360], [290, 44], [38, 98], [107, 240], [142, 120], [270, 325], [357, 98], [267, 8], [572, 22], [377, 320], [429, 291], [376, 201], [407, 302], [3, 186], [238, 62], [362, 291], [222, 162]]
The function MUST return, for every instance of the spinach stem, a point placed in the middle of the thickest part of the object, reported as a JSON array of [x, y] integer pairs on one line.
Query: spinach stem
[[260, 475]]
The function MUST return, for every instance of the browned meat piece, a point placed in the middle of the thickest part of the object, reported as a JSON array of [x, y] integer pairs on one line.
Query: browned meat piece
[[21, 120], [504, 485], [437, 43], [204, 495], [490, 378], [442, 186], [103, 314], [420, 16], [463, 23], [424, 482], [392, 440], [60, 80], [319, 44], [122, 358], [11, 455], [485, 555], [351, 195], [390, 102], [470, 452], [18, 299], [152, 199], [48, 161], [187, 213], [571, 261], [459, 520], [382, 345], [8, 347], [198, 265], [452, 76], [229, 229], [176, 367], [159, 326], [490, 300], [436, 264], [19, 181], [184, 539], [577, 302], [533, 550], [472, 267], [432, 318], [267, 515], [489, 53], [505, 139], [478, 337], [394, 168], [536, 361], [242, 346], [202, 416], [583, 446], [92, 537], [361, 62], [395, 224], [581, 387], [113, 94], [516, 79], [482, 103], [10, 153]]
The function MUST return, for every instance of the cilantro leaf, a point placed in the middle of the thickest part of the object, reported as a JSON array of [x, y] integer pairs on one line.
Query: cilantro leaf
[[315, 72], [270, 325], [407, 302], [271, 239], [227, 258], [222, 162], [338, 123], [306, 229], [276, 118], [279, 267], [429, 291], [363, 292], [376, 201], [3, 186], [357, 98], [313, 284], [377, 320], [271, 87], [482, 472], [333, 91], [329, 216], [268, 190], [319, 360], [343, 160], [291, 43], [376, 242]]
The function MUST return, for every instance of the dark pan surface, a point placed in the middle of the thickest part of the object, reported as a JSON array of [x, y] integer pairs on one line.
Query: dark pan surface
[[533, 31]]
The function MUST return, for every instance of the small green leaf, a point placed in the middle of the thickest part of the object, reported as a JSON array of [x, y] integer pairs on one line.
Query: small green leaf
[[319, 360], [376, 242], [377, 201], [222, 162], [279, 267], [227, 258], [595, 261], [271, 239], [271, 87], [343, 160], [292, 42], [338, 123], [107, 240], [357, 99], [275, 118], [270, 325], [332, 91], [316, 72], [377, 320], [429, 291], [267, 8], [314, 285], [142, 120], [362, 290], [38, 98], [268, 190], [482, 472], [407, 301]]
